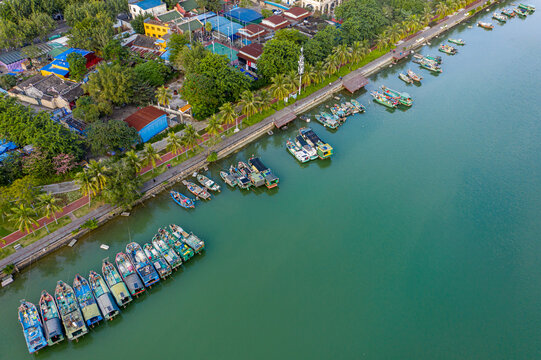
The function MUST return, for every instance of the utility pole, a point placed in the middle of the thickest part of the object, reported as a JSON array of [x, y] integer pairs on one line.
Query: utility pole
[[301, 69]]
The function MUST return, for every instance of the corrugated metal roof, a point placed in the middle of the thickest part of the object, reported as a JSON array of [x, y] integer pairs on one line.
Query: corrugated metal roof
[[169, 16], [190, 25], [148, 4], [11, 57], [143, 117]]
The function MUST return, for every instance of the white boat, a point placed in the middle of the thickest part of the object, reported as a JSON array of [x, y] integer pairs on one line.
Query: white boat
[[297, 152]]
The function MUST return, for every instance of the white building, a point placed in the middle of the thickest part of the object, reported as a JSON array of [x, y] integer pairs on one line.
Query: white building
[[150, 7], [323, 6]]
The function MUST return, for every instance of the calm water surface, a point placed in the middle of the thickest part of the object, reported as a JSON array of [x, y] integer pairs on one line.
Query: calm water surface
[[418, 240]]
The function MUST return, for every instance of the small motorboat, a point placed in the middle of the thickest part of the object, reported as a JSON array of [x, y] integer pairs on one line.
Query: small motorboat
[[309, 149], [508, 12], [457, 41], [358, 105], [129, 274], [228, 179], [116, 284], [499, 17], [51, 319], [449, 50], [405, 78], [185, 252], [103, 296], [384, 100], [144, 268], [485, 25], [87, 303], [189, 239], [208, 183], [182, 200], [172, 258], [197, 190], [413, 76], [297, 152], [72, 319]]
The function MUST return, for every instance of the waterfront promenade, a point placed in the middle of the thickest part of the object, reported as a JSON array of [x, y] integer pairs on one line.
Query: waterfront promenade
[[224, 148]]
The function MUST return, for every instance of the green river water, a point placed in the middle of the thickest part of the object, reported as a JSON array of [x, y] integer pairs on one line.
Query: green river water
[[419, 239]]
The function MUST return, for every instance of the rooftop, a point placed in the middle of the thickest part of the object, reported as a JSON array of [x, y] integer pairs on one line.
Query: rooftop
[[144, 42], [169, 16], [296, 13], [189, 5], [244, 15], [64, 56], [191, 25], [253, 50], [52, 86], [143, 117], [148, 4], [275, 21], [252, 30], [11, 57]]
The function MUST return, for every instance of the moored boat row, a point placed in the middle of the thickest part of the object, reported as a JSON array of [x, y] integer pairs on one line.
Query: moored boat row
[[254, 173], [73, 310]]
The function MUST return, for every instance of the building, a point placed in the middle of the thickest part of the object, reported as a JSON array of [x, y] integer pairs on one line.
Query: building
[[244, 16], [147, 7], [49, 91], [275, 22], [16, 60], [323, 6], [60, 66], [249, 55], [187, 8], [252, 32], [296, 14], [160, 25], [148, 122], [145, 46]]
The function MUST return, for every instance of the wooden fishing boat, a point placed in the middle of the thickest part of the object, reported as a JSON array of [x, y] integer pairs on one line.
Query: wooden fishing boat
[[72, 319], [183, 250], [485, 25], [431, 66], [521, 13], [156, 259], [189, 239], [435, 59], [324, 150], [242, 181], [358, 105], [405, 78], [529, 8], [228, 179], [457, 41], [103, 296], [307, 148], [256, 178], [143, 267], [197, 190], [271, 180], [413, 76], [352, 108], [403, 98], [32, 327], [87, 303], [182, 200], [327, 120], [52, 325], [297, 152], [449, 50], [207, 183], [508, 12], [384, 100], [499, 17], [172, 258], [129, 274], [116, 284]]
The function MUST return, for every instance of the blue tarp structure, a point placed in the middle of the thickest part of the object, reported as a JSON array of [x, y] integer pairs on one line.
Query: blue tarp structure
[[5, 148], [244, 16], [224, 26], [205, 16], [64, 56]]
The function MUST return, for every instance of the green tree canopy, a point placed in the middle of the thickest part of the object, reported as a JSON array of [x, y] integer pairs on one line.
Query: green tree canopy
[[138, 24], [77, 63], [123, 184], [279, 56], [111, 83], [112, 135], [152, 72], [92, 33], [321, 45]]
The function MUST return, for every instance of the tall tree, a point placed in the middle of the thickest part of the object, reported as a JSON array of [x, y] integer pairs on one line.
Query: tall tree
[[138, 24], [77, 65], [174, 143], [133, 160], [112, 135], [264, 99], [92, 33], [228, 114], [214, 126], [86, 184], [279, 56], [49, 205], [150, 155], [248, 103], [123, 186], [191, 137], [111, 83], [280, 87], [98, 171], [24, 218], [163, 95]]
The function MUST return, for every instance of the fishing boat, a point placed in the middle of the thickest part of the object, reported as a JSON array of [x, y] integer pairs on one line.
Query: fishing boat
[[228, 179], [413, 76], [157, 260], [87, 303], [72, 319], [197, 190], [435, 59], [32, 327], [185, 252], [104, 298], [499, 17], [208, 183], [52, 324], [405, 78], [189, 239], [331, 123], [143, 267], [297, 152], [324, 150], [457, 41], [431, 66], [129, 274], [309, 149], [358, 105], [337, 111], [384, 100], [352, 108], [526, 7], [182, 200], [172, 258], [242, 181], [485, 25], [271, 180], [256, 178], [403, 97], [116, 285], [508, 12], [520, 12], [449, 50]]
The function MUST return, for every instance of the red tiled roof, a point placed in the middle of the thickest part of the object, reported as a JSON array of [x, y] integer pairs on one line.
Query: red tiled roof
[[143, 117], [296, 13], [253, 30], [253, 50], [277, 21]]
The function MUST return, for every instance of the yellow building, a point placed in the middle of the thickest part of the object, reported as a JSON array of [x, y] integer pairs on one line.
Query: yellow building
[[158, 26]]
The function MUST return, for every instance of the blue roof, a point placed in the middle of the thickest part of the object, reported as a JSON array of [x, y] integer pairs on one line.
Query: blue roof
[[166, 54], [64, 56], [7, 146], [205, 16], [224, 26], [50, 68], [244, 15], [148, 4]]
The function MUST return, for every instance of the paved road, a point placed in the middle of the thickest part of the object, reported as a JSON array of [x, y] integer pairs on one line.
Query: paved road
[[60, 188]]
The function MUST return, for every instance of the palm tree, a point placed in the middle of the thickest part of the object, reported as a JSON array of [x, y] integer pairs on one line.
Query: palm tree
[[214, 126], [174, 143], [331, 64], [23, 217], [163, 95], [308, 76], [382, 40], [133, 160], [264, 98], [319, 72], [86, 184], [49, 205], [249, 103], [292, 81], [98, 172], [441, 9], [150, 155], [228, 114], [359, 50], [427, 16], [190, 137], [395, 33], [279, 87], [342, 54]]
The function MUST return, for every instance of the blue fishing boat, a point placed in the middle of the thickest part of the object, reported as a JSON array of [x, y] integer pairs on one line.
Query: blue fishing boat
[[116, 285], [156, 259], [32, 327], [143, 267], [360, 107], [182, 200], [86, 301], [189, 238], [172, 258], [103, 296], [72, 319], [129, 274], [183, 250], [52, 325]]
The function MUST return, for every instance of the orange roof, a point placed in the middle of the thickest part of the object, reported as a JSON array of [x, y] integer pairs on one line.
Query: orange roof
[[143, 117], [185, 108]]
